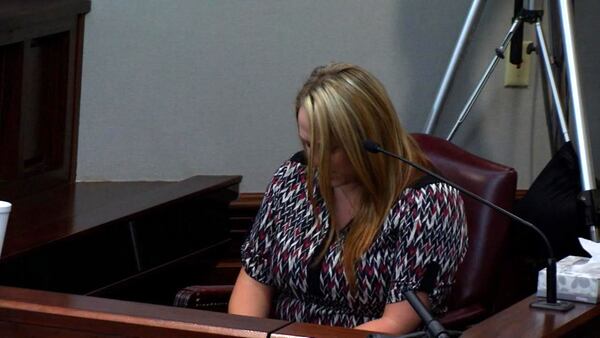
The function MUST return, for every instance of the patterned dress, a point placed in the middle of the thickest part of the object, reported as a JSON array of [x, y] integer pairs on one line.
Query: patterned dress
[[426, 225]]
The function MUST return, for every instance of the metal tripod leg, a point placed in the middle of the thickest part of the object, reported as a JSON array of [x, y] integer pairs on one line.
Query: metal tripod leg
[[463, 39], [589, 195], [499, 54], [542, 50], [582, 144]]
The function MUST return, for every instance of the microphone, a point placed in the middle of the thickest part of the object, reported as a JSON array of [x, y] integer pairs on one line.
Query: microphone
[[551, 302], [434, 328]]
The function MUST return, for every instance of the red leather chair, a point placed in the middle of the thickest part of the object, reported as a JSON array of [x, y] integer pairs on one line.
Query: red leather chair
[[472, 297]]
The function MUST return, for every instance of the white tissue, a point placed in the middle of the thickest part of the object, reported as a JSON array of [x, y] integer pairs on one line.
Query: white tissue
[[593, 264]]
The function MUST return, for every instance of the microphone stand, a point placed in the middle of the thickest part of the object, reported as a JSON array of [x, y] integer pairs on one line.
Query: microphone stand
[[551, 302], [433, 327]]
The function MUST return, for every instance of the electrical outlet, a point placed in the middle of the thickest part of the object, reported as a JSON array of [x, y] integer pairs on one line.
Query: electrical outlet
[[517, 76]]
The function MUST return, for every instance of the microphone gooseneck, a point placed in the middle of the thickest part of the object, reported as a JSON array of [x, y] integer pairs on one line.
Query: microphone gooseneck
[[551, 300]]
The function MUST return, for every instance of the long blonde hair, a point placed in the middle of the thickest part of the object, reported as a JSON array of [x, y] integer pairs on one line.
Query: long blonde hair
[[346, 105]]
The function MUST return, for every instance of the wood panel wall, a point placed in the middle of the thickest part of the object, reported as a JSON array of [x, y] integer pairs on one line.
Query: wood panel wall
[[40, 82]]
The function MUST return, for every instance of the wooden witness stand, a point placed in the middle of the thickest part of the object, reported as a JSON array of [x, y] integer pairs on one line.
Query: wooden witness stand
[[118, 307], [65, 239], [46, 314], [83, 260], [35, 313]]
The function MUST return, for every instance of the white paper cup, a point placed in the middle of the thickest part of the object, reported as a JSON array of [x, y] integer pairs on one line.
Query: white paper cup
[[4, 212]]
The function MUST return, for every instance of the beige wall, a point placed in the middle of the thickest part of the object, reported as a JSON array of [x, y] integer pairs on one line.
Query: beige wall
[[177, 88]]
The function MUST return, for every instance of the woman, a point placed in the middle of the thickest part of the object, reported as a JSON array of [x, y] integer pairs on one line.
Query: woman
[[341, 233]]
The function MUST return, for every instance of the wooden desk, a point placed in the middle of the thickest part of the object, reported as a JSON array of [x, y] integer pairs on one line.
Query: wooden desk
[[520, 320], [294, 330], [118, 240], [34, 313]]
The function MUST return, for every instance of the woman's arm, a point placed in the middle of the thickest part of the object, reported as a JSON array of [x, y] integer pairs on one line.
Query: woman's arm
[[441, 239], [249, 297], [398, 318]]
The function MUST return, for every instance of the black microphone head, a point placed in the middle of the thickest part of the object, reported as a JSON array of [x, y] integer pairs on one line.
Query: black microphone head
[[430, 276], [371, 146]]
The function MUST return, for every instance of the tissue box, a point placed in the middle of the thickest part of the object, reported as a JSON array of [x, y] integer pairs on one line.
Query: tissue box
[[574, 282]]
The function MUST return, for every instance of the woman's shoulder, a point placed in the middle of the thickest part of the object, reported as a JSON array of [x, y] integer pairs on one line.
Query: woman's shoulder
[[294, 164], [299, 158], [429, 199], [292, 169], [428, 189], [428, 183], [423, 182]]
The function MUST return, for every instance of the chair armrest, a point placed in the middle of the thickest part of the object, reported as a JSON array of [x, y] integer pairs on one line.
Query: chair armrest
[[204, 297], [460, 318], [216, 298]]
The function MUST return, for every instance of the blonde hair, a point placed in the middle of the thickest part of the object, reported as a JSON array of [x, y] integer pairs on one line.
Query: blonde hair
[[346, 105]]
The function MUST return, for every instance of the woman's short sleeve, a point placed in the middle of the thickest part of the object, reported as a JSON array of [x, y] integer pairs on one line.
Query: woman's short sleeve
[[256, 249], [433, 237]]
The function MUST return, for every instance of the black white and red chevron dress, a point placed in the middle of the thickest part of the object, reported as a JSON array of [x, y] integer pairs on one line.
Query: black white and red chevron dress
[[427, 224]]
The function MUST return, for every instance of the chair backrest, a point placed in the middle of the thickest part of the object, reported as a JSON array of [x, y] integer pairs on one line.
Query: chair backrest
[[478, 275]]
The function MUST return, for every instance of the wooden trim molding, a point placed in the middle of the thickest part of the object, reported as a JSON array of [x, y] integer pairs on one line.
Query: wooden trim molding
[[247, 200], [520, 193]]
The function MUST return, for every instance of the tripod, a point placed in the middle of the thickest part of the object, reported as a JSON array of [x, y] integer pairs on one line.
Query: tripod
[[531, 13]]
